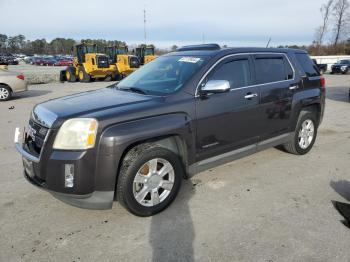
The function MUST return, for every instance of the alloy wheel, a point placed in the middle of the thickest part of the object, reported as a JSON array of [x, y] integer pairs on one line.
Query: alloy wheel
[[4, 93], [306, 134], [153, 182]]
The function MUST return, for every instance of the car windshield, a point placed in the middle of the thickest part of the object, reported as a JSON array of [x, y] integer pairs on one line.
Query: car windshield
[[344, 62], [165, 75]]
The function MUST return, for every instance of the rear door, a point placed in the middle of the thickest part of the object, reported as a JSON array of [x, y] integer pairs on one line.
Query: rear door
[[275, 77], [227, 121]]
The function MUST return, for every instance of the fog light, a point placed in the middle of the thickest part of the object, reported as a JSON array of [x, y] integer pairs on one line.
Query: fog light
[[68, 175]]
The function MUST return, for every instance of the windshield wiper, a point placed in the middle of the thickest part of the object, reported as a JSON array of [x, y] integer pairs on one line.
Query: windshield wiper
[[134, 89]]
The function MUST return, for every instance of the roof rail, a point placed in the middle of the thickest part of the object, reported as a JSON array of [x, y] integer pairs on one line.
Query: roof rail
[[199, 47]]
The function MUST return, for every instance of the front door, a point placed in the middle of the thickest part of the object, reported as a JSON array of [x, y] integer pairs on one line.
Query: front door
[[228, 121]]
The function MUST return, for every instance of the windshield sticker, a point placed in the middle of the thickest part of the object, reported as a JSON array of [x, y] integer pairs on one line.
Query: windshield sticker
[[189, 59]]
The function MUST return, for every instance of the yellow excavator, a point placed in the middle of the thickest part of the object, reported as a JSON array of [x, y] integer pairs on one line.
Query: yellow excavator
[[125, 64], [88, 64], [145, 54]]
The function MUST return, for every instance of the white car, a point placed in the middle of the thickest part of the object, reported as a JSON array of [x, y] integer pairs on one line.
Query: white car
[[11, 82]]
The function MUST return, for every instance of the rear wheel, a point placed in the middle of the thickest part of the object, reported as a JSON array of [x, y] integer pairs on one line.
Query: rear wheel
[[305, 134], [149, 180], [5, 93], [83, 76]]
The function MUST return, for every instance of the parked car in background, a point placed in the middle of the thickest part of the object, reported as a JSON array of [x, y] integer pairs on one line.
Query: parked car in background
[[45, 61], [342, 67], [322, 68], [29, 59], [9, 59], [63, 62], [11, 83]]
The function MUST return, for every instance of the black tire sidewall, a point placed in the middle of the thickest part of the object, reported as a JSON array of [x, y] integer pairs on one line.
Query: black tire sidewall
[[305, 116], [86, 76], [132, 170]]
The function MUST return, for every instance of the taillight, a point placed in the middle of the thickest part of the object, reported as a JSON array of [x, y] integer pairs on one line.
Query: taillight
[[20, 77], [323, 83]]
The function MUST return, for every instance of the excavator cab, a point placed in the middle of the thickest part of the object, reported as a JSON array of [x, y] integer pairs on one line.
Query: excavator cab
[[125, 63], [145, 54]]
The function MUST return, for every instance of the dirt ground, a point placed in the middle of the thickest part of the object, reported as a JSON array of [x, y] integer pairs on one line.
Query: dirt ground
[[271, 206]]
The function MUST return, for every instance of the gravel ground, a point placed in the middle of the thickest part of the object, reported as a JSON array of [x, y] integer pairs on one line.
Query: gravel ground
[[271, 206], [38, 74]]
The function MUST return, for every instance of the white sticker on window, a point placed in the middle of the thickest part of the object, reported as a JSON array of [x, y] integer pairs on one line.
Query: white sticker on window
[[189, 59]]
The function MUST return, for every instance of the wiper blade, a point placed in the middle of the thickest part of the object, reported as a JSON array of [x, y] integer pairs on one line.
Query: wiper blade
[[134, 89]]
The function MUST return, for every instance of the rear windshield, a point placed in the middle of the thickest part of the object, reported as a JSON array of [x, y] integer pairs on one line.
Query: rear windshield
[[309, 67]]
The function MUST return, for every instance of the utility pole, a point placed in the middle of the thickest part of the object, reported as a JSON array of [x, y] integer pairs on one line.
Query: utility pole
[[144, 25]]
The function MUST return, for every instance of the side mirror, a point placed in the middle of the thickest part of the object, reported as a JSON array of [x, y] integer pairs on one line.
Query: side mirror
[[216, 86]]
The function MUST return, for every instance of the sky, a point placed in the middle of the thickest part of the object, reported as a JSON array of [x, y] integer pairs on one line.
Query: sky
[[230, 22]]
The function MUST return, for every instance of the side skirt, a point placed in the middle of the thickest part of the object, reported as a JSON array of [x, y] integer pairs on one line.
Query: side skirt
[[237, 154]]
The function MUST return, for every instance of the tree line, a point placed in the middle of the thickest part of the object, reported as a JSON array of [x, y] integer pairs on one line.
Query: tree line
[[19, 44]]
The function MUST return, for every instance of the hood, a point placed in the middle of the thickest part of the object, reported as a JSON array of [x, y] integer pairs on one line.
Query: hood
[[85, 103]]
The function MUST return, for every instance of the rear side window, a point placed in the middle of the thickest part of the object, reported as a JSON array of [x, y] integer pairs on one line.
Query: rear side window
[[237, 72], [307, 65], [272, 69]]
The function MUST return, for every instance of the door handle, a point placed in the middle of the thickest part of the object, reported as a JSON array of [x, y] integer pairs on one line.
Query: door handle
[[293, 87], [250, 96]]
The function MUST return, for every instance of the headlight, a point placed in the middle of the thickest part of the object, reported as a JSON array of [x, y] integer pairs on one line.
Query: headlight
[[343, 68], [76, 134]]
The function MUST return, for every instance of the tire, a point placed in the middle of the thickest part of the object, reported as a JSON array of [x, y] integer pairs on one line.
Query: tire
[[138, 160], [115, 77], [5, 93], [70, 74], [83, 76], [108, 78], [296, 145]]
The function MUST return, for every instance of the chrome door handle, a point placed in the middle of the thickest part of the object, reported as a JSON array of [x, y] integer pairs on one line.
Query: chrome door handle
[[293, 87], [250, 96]]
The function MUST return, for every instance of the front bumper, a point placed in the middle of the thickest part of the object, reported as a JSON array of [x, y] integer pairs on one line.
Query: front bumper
[[54, 184], [338, 70]]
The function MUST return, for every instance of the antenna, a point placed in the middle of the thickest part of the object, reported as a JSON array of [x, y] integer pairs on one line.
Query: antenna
[[268, 43], [144, 25]]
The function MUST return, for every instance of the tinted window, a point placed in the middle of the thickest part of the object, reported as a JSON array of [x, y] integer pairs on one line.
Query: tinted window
[[272, 69], [236, 72], [307, 65], [344, 62]]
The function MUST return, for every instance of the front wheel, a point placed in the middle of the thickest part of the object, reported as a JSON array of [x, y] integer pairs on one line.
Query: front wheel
[[83, 76], [305, 134], [149, 180]]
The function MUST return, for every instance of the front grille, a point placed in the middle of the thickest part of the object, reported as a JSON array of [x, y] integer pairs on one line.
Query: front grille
[[134, 62], [102, 62], [36, 135]]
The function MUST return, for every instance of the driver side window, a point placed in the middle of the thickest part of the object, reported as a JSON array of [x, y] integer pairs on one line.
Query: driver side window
[[237, 72]]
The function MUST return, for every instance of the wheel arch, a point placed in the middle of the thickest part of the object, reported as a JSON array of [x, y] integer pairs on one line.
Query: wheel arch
[[3, 84], [172, 142], [174, 132]]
